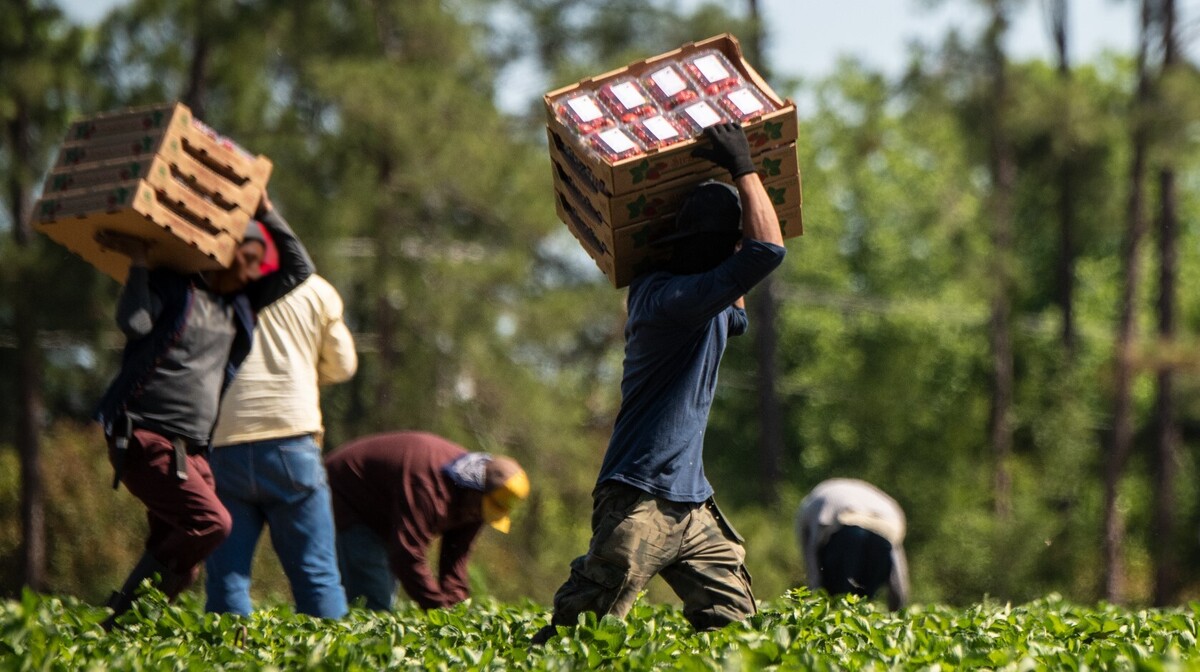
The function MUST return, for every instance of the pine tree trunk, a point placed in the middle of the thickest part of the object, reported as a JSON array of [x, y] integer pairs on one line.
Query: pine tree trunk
[[1122, 437], [1066, 196], [1003, 172], [29, 415], [28, 381], [385, 313], [1167, 436], [764, 305], [1166, 423]]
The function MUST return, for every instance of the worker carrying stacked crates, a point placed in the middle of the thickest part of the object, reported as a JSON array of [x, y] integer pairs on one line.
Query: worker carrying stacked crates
[[621, 148], [156, 173]]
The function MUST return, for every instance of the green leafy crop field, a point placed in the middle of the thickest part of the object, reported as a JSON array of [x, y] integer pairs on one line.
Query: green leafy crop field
[[800, 632]]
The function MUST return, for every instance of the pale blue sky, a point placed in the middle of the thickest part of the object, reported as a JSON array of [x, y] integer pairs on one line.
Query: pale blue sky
[[806, 37]]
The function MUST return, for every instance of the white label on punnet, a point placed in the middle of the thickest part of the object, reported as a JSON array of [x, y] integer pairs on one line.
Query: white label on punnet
[[668, 81], [703, 114], [617, 141], [586, 108], [710, 66], [628, 94], [660, 128], [746, 101]]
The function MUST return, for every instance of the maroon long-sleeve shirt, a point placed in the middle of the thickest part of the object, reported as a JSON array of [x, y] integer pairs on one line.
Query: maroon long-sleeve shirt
[[394, 484]]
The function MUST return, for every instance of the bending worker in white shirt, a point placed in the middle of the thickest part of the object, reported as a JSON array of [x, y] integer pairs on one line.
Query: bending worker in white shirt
[[852, 537]]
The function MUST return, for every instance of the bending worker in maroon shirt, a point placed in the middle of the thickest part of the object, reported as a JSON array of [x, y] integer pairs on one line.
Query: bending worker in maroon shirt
[[393, 494]]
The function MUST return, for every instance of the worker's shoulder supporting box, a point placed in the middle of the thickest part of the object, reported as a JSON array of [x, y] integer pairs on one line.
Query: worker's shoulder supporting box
[[774, 128], [624, 252], [633, 251]]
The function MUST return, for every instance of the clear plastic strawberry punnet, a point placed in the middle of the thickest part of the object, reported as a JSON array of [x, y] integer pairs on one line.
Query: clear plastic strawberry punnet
[[698, 116], [582, 113], [712, 72], [658, 131], [627, 99], [670, 86], [614, 144], [745, 103]]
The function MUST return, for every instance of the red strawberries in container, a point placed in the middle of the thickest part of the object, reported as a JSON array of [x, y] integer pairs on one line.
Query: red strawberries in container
[[658, 104], [669, 86], [615, 144], [582, 113], [627, 100], [745, 103], [698, 116], [657, 131], [712, 71]]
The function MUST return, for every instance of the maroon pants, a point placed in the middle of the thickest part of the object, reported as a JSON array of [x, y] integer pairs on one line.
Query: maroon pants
[[187, 521]]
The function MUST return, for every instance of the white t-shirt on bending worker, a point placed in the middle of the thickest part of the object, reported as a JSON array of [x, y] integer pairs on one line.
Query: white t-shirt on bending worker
[[840, 502], [300, 343]]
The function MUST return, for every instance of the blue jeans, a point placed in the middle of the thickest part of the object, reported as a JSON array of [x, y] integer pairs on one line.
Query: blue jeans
[[279, 482], [363, 560]]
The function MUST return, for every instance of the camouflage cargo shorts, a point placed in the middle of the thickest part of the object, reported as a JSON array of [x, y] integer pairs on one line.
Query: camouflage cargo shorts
[[636, 535]]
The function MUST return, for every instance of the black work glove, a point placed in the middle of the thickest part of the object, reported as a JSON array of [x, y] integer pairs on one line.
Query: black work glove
[[730, 149]]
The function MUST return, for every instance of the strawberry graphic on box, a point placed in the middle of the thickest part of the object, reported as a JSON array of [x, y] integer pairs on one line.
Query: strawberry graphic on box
[[647, 171], [769, 131], [771, 167], [778, 195], [645, 207]]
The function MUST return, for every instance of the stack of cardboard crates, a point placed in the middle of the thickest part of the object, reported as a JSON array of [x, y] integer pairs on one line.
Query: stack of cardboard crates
[[157, 173], [621, 148]]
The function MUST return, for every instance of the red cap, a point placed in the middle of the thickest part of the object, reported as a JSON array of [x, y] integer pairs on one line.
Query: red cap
[[270, 262]]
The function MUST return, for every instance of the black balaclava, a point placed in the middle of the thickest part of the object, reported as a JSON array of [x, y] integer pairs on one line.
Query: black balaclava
[[709, 225]]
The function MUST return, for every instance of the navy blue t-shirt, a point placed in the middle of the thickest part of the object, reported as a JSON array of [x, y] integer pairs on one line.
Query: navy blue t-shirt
[[674, 338]]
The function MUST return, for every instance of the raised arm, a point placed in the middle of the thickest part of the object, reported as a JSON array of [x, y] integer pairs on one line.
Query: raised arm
[[725, 285], [759, 221], [294, 263]]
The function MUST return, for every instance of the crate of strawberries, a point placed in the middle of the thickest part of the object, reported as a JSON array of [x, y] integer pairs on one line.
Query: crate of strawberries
[[638, 124]]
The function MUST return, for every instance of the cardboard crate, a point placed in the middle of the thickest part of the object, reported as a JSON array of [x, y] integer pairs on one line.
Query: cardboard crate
[[784, 192], [621, 177], [117, 136], [623, 210], [158, 171], [147, 119], [177, 240], [624, 252], [171, 193]]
